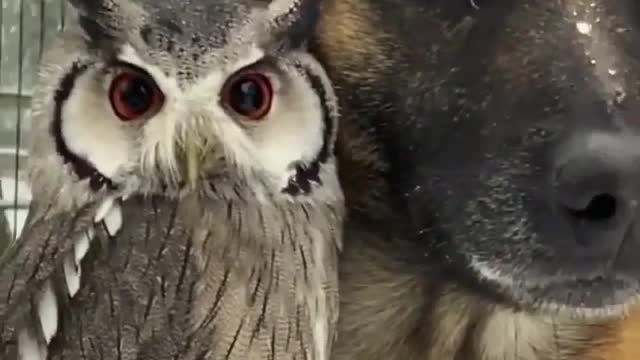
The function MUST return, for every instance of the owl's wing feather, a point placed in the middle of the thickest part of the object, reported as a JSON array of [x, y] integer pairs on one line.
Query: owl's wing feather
[[135, 297], [333, 303], [44, 243], [49, 238]]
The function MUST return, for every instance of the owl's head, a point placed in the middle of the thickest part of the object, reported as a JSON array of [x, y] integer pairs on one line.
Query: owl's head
[[149, 96]]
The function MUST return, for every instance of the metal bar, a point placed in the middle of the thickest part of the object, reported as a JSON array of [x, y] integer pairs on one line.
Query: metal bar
[[12, 151], [11, 93], [9, 204], [18, 119], [5, 229]]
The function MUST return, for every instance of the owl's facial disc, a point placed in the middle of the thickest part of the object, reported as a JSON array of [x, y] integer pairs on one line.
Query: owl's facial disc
[[149, 96], [99, 110], [249, 116], [269, 121], [100, 135]]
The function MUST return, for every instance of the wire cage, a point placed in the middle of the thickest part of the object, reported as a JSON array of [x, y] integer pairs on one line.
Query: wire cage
[[27, 27]]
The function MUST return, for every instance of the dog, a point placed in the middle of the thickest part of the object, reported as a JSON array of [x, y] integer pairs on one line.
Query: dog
[[490, 156]]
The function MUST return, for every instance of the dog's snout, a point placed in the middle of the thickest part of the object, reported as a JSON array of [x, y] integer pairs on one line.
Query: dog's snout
[[594, 190], [588, 191]]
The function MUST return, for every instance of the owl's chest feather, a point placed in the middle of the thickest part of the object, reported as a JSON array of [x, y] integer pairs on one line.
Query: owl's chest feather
[[272, 273], [159, 279]]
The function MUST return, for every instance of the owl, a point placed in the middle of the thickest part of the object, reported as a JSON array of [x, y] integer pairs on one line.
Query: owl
[[186, 203]]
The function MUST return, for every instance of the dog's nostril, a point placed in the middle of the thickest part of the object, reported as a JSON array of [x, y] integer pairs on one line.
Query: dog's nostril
[[602, 207]]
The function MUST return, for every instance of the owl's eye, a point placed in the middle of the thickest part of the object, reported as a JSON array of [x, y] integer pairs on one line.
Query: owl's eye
[[249, 95], [134, 95]]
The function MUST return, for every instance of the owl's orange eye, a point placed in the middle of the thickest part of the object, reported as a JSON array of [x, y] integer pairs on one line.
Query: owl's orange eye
[[249, 94], [134, 95]]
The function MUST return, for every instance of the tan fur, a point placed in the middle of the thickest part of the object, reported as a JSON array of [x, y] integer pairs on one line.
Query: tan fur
[[391, 308], [360, 161], [624, 342], [347, 35], [380, 305], [346, 39]]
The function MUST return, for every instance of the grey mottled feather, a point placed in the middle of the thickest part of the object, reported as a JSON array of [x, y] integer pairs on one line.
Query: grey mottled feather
[[171, 283], [28, 264]]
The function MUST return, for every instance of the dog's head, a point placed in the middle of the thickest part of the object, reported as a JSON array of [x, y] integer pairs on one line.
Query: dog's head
[[519, 162]]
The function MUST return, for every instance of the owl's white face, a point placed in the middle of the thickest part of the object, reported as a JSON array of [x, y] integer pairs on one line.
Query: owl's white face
[[264, 115], [248, 113]]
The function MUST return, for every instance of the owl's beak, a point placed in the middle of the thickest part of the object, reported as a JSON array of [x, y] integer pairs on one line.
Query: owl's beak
[[193, 156]]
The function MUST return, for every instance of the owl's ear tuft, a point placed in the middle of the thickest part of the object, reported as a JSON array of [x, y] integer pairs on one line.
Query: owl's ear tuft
[[103, 20], [91, 16], [294, 21]]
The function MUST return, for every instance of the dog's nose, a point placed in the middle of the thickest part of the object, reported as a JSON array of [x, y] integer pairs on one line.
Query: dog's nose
[[595, 190]]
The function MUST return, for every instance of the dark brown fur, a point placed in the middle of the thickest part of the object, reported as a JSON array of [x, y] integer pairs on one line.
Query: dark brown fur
[[395, 306]]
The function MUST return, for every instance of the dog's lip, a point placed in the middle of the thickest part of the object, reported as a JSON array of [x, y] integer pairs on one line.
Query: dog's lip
[[604, 277], [606, 292], [581, 282], [600, 291]]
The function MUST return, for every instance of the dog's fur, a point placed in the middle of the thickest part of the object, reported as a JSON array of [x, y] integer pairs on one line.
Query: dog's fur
[[624, 343], [446, 110]]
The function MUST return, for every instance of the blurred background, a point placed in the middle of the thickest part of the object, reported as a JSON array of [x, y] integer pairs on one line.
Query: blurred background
[[27, 27]]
